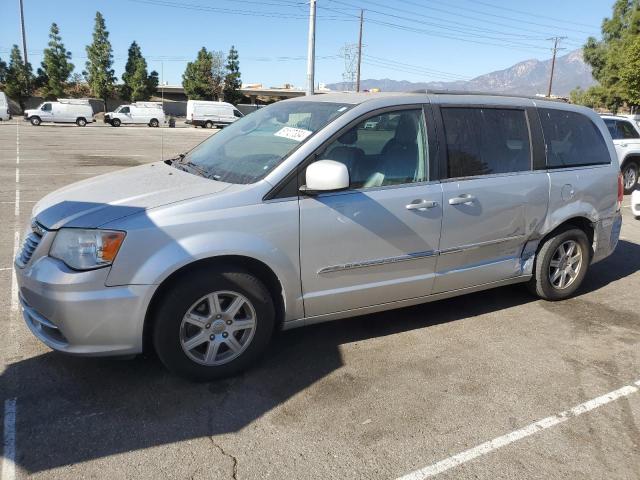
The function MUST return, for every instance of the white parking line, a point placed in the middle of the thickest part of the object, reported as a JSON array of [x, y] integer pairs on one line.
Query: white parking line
[[491, 445], [9, 440]]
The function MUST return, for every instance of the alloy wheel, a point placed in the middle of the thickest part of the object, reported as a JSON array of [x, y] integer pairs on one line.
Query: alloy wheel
[[218, 328], [565, 264]]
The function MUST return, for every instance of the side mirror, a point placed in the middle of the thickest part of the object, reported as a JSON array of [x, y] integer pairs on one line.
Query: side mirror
[[326, 176]]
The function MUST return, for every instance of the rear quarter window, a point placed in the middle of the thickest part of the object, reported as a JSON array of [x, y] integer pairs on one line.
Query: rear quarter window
[[572, 139]]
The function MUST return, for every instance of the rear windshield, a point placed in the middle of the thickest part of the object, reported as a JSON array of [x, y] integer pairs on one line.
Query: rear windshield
[[572, 139], [248, 149]]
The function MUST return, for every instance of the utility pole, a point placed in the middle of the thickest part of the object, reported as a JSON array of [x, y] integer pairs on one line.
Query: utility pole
[[311, 53], [359, 52], [556, 40], [24, 35]]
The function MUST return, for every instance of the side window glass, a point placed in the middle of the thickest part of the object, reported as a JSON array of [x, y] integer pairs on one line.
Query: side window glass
[[388, 149], [124, 110], [611, 126], [482, 141], [572, 139], [46, 107], [237, 114], [627, 131]]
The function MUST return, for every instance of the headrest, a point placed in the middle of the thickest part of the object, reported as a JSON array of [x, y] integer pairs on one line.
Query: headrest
[[350, 137], [407, 129]]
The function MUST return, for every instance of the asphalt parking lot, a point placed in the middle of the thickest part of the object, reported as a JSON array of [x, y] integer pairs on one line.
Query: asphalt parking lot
[[455, 386]]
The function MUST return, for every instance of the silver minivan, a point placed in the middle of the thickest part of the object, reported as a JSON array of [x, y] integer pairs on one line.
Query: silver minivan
[[307, 211]]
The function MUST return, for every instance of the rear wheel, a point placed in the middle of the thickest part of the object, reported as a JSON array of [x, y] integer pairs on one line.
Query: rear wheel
[[35, 121], [116, 122], [154, 123], [81, 122], [561, 265], [213, 323], [208, 124], [630, 176]]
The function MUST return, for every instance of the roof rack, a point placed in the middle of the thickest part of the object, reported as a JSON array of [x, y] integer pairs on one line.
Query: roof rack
[[489, 94], [74, 101]]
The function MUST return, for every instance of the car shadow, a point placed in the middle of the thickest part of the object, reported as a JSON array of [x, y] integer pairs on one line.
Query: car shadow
[[73, 410]]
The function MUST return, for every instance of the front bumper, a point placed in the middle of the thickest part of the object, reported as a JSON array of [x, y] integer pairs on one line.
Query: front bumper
[[74, 312], [606, 236]]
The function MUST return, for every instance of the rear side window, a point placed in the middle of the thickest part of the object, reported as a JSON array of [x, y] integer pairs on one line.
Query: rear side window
[[572, 139], [626, 130], [483, 141]]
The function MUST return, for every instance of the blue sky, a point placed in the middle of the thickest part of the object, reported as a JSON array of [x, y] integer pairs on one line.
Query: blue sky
[[416, 40]]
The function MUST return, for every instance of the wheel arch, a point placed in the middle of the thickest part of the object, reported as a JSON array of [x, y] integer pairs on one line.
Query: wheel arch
[[581, 222], [630, 157], [249, 264]]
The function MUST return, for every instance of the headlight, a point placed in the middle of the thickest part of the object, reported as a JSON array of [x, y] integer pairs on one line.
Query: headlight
[[86, 249]]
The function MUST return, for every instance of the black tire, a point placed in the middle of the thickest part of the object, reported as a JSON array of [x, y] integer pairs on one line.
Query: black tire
[[154, 123], [540, 284], [187, 290], [116, 122], [81, 122], [630, 170], [208, 124], [35, 121]]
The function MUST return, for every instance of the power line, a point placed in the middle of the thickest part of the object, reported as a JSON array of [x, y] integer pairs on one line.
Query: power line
[[454, 29], [530, 14]]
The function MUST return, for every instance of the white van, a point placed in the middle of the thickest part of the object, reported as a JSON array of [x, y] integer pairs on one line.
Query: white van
[[65, 110], [139, 113], [5, 113], [206, 114]]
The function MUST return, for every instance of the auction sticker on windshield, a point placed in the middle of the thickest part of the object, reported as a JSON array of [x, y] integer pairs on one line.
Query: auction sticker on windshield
[[297, 134]]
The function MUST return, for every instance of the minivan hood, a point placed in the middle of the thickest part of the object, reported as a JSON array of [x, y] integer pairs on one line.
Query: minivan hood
[[103, 199]]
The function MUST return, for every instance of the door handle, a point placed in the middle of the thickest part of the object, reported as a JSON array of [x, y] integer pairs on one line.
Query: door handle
[[464, 199], [422, 205]]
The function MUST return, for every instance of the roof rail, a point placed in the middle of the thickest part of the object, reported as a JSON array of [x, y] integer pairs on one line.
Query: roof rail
[[489, 94]]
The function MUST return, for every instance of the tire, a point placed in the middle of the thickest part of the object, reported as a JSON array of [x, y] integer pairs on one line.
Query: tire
[[208, 124], [154, 123], [191, 294], [116, 122], [541, 284], [35, 121], [630, 176], [81, 122]]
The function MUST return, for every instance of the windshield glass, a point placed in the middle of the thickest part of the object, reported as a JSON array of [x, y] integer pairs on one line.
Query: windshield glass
[[248, 149]]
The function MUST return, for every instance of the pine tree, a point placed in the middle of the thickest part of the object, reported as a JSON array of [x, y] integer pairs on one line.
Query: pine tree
[[197, 79], [3, 72], [137, 84], [232, 81], [99, 74], [19, 77], [56, 65]]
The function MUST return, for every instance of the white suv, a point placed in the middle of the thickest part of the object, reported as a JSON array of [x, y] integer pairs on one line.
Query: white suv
[[626, 138]]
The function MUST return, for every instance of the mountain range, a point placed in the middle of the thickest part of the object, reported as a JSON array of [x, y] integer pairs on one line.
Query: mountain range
[[529, 77]]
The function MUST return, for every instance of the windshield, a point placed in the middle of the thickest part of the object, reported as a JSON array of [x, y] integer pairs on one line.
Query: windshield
[[247, 150]]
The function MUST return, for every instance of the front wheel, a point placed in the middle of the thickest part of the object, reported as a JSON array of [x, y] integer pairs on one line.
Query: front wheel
[[630, 177], [561, 265], [35, 121], [213, 323]]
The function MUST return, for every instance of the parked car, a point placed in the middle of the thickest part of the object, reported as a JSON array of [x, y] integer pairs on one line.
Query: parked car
[[65, 110], [626, 138], [635, 203], [140, 113], [206, 114], [281, 222], [5, 112]]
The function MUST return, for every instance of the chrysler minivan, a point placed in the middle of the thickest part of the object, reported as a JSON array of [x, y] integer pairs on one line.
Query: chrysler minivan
[[299, 213]]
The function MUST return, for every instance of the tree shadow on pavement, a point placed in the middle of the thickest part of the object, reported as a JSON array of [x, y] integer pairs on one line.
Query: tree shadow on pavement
[[73, 410]]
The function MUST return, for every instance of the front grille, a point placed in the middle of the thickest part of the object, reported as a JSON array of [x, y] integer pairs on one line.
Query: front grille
[[30, 244]]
